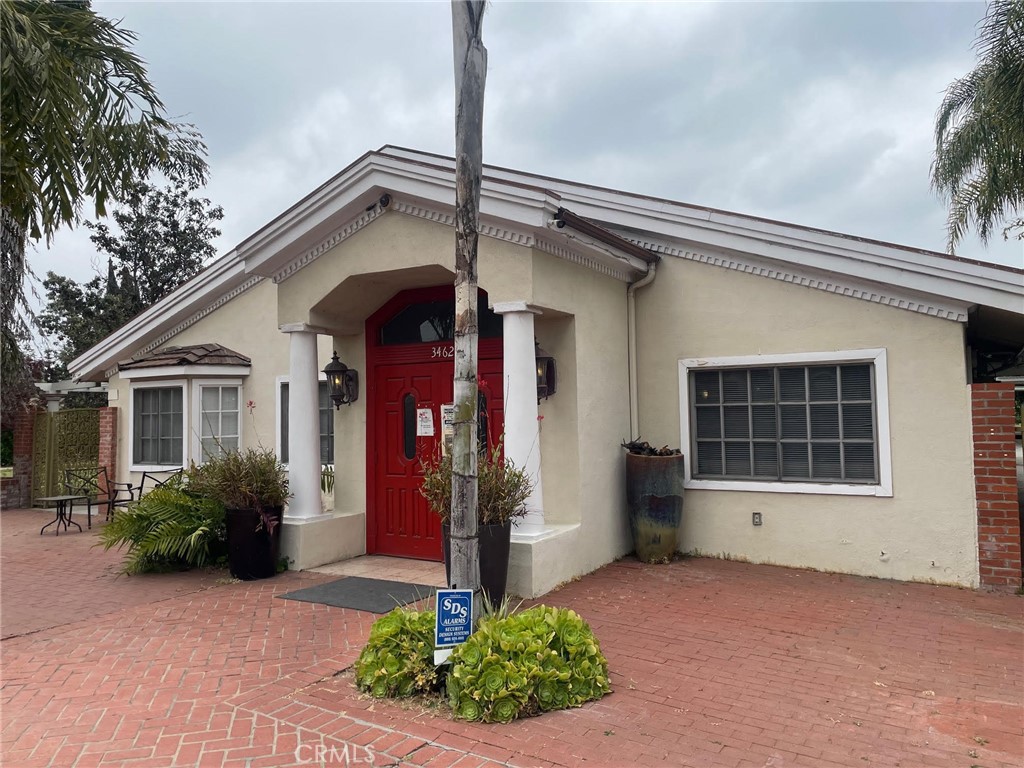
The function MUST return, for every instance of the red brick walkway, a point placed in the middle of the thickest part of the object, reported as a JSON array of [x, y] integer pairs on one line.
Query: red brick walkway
[[49, 580], [713, 664]]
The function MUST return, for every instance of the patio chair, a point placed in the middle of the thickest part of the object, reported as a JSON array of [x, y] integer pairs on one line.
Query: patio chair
[[151, 480], [97, 488]]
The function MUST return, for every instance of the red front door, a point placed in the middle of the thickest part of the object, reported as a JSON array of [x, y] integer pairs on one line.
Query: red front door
[[407, 379]]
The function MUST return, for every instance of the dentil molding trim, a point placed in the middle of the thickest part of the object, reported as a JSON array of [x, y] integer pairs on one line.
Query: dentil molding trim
[[853, 289]]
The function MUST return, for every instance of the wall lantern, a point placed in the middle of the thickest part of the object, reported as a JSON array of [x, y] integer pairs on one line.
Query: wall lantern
[[547, 374], [343, 382]]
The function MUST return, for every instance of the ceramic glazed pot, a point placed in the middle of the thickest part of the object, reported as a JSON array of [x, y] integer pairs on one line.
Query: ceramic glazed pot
[[654, 499]]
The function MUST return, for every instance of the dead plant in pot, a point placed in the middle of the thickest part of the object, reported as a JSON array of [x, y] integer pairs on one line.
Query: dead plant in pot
[[502, 491]]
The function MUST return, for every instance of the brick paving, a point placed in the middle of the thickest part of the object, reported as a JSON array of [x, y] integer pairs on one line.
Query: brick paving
[[55, 579], [714, 663]]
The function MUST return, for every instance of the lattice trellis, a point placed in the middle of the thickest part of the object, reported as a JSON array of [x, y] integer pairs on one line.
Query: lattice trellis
[[63, 440]]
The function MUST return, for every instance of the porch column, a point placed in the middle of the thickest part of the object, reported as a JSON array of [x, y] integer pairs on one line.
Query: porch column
[[522, 428], [303, 423]]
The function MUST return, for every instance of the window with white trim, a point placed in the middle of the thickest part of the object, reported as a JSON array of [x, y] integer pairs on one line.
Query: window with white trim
[[219, 419], [326, 419], [787, 423], [798, 423], [158, 426]]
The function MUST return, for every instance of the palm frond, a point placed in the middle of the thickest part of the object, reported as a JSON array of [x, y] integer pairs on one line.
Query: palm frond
[[168, 526], [979, 130]]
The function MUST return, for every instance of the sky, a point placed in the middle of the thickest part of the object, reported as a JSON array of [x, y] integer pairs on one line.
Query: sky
[[820, 114]]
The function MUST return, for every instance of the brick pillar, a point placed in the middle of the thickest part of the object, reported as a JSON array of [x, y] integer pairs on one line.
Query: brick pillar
[[995, 482], [108, 442], [24, 429]]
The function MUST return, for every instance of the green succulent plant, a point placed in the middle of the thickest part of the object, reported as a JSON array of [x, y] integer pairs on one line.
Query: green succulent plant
[[538, 660], [398, 659], [513, 665]]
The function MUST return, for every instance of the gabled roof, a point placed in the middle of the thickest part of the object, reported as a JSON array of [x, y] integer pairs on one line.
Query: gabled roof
[[712, 235], [617, 233]]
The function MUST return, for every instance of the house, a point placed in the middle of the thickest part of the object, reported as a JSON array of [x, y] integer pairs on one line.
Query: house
[[843, 389]]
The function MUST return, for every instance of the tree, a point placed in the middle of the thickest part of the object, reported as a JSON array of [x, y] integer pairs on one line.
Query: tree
[[470, 73], [163, 238], [79, 122], [979, 132]]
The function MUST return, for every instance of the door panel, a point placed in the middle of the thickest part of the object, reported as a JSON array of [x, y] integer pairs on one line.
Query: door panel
[[403, 523]]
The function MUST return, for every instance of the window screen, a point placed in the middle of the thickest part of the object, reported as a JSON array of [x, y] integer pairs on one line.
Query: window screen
[[790, 423], [157, 428], [326, 418], [218, 420]]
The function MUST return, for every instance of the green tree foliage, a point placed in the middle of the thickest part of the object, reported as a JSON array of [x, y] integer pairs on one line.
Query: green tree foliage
[[163, 237], [80, 123], [979, 133]]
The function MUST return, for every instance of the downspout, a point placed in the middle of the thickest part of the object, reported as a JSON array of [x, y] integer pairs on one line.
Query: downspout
[[634, 405]]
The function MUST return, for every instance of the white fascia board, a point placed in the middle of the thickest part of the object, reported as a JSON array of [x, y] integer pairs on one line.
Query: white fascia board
[[205, 288], [892, 265], [320, 197], [285, 238], [965, 282], [185, 371]]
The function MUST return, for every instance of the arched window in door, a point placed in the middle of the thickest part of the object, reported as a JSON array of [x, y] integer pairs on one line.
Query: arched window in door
[[432, 321]]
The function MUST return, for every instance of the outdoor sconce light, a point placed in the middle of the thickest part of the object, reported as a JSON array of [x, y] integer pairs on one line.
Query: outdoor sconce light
[[343, 382], [547, 374]]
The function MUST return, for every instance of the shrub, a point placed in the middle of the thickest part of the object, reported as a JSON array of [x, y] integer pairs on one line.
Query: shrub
[[502, 487], [249, 479], [398, 659], [167, 528], [6, 448], [535, 661]]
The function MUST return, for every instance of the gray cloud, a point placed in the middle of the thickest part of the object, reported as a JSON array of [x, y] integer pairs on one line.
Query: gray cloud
[[816, 113]]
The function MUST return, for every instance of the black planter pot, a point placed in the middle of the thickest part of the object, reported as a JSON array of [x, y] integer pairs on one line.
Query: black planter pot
[[494, 550], [654, 498], [253, 554]]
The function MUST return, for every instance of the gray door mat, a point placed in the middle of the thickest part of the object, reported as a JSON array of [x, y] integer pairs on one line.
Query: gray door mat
[[361, 594]]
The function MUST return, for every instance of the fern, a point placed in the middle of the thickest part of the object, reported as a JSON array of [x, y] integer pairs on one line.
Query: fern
[[168, 527]]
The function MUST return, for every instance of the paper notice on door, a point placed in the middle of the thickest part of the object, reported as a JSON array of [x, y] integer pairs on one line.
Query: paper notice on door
[[424, 422], [447, 427]]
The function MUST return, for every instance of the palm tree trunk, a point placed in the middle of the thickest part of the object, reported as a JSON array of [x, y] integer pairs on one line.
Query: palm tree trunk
[[470, 72]]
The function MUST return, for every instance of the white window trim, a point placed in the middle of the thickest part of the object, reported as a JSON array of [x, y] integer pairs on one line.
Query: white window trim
[[277, 414], [875, 356], [184, 370], [133, 467], [195, 434]]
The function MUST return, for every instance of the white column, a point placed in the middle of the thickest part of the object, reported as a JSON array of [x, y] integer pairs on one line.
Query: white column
[[303, 423], [522, 428]]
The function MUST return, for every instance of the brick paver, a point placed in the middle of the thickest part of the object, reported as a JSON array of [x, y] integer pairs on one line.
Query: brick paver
[[49, 580], [714, 663]]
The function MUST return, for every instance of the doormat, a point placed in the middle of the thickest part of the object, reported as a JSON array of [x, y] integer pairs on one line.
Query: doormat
[[358, 593]]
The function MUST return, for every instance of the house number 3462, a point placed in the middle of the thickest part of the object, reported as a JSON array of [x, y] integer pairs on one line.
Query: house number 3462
[[442, 352]]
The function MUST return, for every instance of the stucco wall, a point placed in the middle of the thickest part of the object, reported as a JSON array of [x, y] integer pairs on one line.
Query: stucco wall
[[589, 415], [346, 284], [927, 530], [248, 325]]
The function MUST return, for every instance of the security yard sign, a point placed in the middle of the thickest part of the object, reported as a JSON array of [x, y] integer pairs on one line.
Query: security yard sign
[[454, 622]]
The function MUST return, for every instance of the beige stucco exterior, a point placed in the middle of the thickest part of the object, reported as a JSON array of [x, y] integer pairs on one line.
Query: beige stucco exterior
[[926, 530], [248, 325]]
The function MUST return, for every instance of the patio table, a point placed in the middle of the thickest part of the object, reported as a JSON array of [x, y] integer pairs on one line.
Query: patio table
[[65, 506]]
